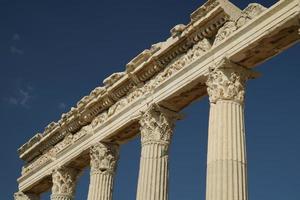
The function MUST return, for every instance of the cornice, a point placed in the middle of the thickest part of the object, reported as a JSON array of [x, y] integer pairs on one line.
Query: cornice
[[204, 23], [275, 28]]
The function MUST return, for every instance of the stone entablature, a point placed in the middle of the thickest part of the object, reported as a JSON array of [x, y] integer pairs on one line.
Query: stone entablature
[[204, 24], [146, 74]]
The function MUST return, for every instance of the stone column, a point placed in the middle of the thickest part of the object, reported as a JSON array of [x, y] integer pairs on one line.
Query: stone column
[[64, 183], [226, 157], [156, 126], [26, 196], [104, 157]]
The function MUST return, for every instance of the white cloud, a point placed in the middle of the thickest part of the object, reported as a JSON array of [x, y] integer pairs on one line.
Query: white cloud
[[13, 100], [25, 97], [21, 98], [16, 36], [15, 50], [62, 105]]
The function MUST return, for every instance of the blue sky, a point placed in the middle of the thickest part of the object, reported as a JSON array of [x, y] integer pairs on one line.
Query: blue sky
[[54, 52]]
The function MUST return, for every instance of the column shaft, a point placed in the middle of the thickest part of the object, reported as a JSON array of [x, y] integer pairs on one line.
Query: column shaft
[[226, 154], [156, 128], [100, 187], [226, 162], [153, 176]]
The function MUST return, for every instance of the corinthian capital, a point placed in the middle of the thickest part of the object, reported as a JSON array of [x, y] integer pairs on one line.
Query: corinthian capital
[[226, 81], [157, 124], [64, 182], [104, 157], [26, 196]]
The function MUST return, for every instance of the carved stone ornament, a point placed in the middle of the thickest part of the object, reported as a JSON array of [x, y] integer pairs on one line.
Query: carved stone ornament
[[64, 181], [227, 81], [113, 78], [203, 10], [250, 12], [164, 58], [177, 30], [104, 157], [224, 32], [253, 10], [99, 119], [23, 196], [157, 124]]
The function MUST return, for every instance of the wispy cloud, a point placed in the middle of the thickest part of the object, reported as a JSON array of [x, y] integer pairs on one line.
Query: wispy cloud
[[14, 49], [13, 100], [62, 105], [22, 97], [16, 37]]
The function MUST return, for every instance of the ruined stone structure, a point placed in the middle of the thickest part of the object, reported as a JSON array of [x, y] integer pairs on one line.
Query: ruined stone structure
[[214, 55]]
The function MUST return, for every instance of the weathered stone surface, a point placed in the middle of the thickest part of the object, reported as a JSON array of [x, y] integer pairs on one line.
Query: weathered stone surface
[[171, 73], [226, 158], [26, 196], [157, 126], [64, 183], [104, 157]]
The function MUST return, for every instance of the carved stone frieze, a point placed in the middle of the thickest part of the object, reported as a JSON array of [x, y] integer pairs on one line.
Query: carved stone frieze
[[37, 163], [117, 106], [195, 52], [250, 12], [104, 157], [178, 63], [50, 154], [99, 119], [64, 182], [253, 10], [151, 68], [226, 81], [224, 32], [157, 124]]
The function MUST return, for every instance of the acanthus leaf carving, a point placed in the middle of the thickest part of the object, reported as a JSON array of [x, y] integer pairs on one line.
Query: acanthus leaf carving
[[226, 81], [64, 181], [225, 31], [26, 196], [104, 157], [157, 124], [99, 119]]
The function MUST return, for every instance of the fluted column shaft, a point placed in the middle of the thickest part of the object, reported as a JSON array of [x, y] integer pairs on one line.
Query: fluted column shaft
[[64, 183], [156, 130], [104, 157], [226, 158], [26, 196]]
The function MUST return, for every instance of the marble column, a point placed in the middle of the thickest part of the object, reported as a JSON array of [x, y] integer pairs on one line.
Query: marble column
[[26, 196], [156, 126], [64, 183], [226, 156], [104, 157]]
